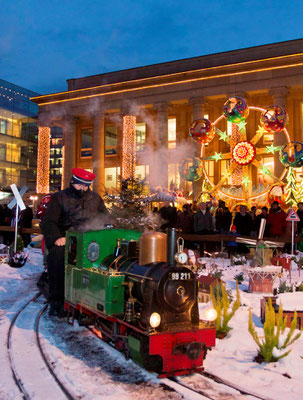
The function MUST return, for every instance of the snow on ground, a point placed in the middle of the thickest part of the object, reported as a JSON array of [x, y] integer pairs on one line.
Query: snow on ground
[[102, 372]]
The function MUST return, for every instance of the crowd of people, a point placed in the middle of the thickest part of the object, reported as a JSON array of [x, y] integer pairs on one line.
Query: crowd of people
[[202, 219]]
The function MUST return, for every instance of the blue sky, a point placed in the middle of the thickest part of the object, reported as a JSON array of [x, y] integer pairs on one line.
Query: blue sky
[[43, 43]]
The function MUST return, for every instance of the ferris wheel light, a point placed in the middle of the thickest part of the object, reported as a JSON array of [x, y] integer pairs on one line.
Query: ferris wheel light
[[244, 153]]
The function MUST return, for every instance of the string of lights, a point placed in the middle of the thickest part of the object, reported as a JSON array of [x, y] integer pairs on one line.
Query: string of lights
[[43, 160], [129, 147]]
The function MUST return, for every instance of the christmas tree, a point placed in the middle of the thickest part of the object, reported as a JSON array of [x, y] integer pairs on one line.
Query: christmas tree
[[290, 188], [128, 209]]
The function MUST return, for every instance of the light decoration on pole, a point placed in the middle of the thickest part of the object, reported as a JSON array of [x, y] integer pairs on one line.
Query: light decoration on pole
[[43, 160], [244, 153], [129, 147]]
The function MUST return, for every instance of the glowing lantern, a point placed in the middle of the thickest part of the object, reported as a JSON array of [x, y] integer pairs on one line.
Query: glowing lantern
[[291, 155], [244, 153], [191, 169], [273, 119], [202, 130], [235, 110]]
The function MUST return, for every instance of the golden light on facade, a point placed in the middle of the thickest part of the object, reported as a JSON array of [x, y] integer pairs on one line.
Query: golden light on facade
[[43, 160], [129, 147]]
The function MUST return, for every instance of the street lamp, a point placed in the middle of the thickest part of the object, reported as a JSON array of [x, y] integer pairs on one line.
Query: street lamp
[[34, 199]]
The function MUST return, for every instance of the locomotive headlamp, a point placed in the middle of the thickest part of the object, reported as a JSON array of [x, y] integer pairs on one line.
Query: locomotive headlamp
[[209, 314], [155, 320]]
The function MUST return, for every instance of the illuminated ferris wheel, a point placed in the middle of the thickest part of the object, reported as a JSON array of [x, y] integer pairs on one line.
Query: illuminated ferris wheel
[[242, 149]]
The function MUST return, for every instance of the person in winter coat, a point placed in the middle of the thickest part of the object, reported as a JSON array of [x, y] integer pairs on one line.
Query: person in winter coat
[[276, 220], [25, 221], [300, 215], [203, 221], [243, 222], [68, 208]]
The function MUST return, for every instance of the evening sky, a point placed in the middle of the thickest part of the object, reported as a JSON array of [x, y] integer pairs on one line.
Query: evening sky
[[43, 43]]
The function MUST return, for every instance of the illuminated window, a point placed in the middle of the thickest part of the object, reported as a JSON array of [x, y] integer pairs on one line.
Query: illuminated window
[[141, 171], [140, 136], [268, 163], [3, 127], [86, 142], [110, 140], [111, 179], [210, 169], [224, 167], [2, 152], [172, 133], [268, 138], [173, 176]]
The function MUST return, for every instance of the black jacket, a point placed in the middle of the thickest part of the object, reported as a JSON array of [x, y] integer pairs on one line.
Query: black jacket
[[66, 209], [244, 224]]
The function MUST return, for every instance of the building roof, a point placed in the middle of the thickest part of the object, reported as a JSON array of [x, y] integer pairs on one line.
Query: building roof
[[207, 61]]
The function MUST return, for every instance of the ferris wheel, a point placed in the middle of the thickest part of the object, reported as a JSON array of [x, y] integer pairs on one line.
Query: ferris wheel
[[243, 150]]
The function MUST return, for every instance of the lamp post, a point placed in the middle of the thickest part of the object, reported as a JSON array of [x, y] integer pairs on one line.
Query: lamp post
[[34, 199]]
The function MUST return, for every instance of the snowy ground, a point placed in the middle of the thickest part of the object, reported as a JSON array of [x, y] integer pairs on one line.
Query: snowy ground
[[96, 371]]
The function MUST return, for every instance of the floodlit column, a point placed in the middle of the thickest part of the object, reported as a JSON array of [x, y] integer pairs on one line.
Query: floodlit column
[[198, 106], [43, 160], [279, 99], [69, 150], [128, 147], [160, 167], [99, 153]]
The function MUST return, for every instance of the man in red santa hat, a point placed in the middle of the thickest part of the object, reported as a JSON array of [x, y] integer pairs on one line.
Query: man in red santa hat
[[68, 208]]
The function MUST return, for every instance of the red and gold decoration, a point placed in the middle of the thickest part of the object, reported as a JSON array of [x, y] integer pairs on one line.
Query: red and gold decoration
[[43, 160], [244, 153], [273, 119], [202, 130], [129, 147], [235, 110]]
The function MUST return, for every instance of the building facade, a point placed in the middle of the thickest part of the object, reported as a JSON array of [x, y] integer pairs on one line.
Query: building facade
[[18, 136], [138, 119]]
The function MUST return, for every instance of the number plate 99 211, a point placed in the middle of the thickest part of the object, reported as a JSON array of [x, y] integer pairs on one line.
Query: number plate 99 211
[[179, 276]]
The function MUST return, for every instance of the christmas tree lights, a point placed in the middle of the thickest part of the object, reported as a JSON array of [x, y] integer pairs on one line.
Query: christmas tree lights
[[129, 147], [43, 160], [290, 188]]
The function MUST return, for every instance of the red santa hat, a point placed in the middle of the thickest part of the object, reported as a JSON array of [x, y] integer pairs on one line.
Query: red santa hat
[[82, 177]]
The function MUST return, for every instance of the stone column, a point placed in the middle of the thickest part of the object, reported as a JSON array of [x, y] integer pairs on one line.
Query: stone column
[[99, 153], [159, 169], [69, 153], [198, 106], [43, 160], [279, 95]]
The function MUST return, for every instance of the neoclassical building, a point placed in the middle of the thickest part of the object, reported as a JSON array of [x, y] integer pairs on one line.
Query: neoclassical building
[[137, 120]]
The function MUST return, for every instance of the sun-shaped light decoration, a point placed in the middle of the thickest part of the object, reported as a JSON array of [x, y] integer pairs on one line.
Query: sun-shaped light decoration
[[244, 153]]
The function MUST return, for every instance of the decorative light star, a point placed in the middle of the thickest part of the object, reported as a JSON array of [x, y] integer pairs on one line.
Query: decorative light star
[[265, 170], [223, 135], [261, 130], [217, 156], [245, 180], [242, 125], [272, 149]]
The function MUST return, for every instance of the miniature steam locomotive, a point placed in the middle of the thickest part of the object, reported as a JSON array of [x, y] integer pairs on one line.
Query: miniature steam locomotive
[[129, 287]]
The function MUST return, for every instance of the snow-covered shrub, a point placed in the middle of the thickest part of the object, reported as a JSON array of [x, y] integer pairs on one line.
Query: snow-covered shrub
[[273, 346], [239, 278], [283, 288], [222, 305]]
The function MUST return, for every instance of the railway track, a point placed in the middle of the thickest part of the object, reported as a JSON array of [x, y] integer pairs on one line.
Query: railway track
[[24, 346], [208, 387]]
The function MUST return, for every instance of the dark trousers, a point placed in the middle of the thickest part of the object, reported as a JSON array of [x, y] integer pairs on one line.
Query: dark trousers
[[55, 267]]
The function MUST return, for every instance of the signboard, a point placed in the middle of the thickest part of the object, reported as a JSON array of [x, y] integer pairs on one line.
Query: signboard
[[293, 216], [18, 197]]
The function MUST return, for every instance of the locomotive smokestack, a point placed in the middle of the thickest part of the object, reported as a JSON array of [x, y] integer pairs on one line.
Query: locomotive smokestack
[[171, 246]]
